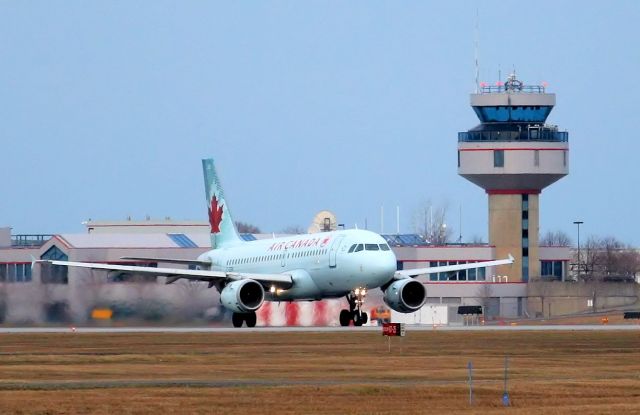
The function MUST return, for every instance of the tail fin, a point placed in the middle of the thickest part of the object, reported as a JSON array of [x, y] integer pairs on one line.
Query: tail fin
[[223, 229]]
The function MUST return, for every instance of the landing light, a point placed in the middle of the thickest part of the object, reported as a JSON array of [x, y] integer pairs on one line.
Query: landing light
[[272, 289]]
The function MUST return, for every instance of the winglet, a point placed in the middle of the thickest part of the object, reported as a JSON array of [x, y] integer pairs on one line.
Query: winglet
[[34, 261]]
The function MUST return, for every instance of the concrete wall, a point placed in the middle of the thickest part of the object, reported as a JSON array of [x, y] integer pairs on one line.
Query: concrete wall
[[430, 314], [5, 237], [555, 298]]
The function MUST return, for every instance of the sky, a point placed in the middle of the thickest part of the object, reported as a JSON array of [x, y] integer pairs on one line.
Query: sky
[[106, 109]]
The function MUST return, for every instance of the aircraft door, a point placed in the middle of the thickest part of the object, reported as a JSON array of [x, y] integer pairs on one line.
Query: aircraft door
[[284, 258], [333, 251]]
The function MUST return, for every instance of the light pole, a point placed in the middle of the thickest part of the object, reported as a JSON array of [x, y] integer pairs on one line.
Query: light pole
[[578, 222]]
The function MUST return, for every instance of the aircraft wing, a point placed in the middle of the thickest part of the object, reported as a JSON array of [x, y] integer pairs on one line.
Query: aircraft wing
[[412, 273], [278, 280]]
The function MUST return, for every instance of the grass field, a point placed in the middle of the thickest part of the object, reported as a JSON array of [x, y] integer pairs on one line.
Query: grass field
[[328, 373]]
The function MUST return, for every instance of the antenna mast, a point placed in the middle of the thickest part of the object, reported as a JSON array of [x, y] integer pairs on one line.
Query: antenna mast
[[477, 41]]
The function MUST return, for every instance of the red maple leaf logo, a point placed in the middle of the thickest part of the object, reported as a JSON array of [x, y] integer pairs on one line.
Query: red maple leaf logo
[[215, 215]]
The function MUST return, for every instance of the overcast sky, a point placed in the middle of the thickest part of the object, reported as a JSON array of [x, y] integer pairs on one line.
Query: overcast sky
[[106, 109]]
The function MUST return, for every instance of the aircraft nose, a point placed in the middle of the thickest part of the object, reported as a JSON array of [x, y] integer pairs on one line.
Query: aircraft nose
[[387, 264]]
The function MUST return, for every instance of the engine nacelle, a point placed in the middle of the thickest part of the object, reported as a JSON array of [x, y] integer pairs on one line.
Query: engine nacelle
[[406, 295], [242, 296]]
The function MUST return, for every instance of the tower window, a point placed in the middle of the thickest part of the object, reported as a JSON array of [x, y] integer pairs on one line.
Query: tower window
[[536, 158], [498, 158]]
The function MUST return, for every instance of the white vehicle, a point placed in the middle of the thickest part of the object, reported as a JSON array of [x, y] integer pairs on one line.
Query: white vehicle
[[343, 263]]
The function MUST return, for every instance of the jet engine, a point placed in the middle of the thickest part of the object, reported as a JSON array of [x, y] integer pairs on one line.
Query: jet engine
[[406, 295], [242, 296]]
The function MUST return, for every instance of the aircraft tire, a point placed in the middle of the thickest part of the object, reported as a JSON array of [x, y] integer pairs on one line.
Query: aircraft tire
[[251, 319], [357, 319], [345, 318], [237, 319], [364, 317]]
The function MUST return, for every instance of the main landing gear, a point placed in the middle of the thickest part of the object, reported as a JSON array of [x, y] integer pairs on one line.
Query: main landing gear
[[238, 318], [355, 313]]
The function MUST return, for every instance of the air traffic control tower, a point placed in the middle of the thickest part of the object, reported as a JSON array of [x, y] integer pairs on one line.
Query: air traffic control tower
[[513, 155]]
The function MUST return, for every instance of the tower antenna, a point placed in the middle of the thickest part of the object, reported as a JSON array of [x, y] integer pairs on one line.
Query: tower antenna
[[477, 41]]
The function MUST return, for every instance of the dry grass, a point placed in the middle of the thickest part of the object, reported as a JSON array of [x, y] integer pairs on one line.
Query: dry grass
[[287, 373]]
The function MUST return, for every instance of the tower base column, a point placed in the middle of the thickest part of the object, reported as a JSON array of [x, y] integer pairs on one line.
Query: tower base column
[[513, 230]]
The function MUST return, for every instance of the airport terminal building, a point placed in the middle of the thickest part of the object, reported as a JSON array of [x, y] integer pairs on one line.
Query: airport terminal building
[[61, 294]]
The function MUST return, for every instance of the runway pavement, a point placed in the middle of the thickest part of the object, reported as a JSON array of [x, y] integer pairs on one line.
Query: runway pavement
[[409, 328]]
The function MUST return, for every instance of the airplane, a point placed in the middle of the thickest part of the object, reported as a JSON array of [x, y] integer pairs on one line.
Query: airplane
[[311, 267]]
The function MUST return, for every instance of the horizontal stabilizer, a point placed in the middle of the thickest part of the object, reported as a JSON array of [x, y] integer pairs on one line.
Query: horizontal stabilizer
[[168, 260], [171, 280]]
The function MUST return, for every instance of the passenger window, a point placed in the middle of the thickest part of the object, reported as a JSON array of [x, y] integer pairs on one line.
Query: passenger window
[[371, 247], [359, 248], [384, 247], [352, 248]]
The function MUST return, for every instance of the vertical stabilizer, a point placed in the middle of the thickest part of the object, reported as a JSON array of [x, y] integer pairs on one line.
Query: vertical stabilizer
[[223, 229]]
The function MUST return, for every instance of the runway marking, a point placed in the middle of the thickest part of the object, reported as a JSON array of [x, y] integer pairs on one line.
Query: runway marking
[[94, 330]]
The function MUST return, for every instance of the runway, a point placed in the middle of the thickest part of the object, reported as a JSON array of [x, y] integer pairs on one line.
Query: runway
[[288, 329]]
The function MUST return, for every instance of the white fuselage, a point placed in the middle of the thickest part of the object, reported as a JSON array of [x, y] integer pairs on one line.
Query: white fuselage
[[322, 265]]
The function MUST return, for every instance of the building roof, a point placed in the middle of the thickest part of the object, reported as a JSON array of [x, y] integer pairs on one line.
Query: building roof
[[135, 240]]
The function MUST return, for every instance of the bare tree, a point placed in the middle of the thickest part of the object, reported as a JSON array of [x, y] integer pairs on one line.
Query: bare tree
[[607, 258], [542, 290], [557, 238], [244, 227], [484, 293], [293, 230], [431, 223]]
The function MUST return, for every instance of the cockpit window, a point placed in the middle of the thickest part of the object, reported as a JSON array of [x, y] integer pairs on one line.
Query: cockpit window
[[384, 247], [359, 248], [352, 248], [371, 247]]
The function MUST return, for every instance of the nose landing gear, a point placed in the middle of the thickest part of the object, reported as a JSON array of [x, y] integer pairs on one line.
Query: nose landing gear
[[355, 313]]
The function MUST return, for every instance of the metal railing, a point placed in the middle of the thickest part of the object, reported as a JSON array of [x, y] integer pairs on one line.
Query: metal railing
[[29, 240], [502, 88], [525, 135]]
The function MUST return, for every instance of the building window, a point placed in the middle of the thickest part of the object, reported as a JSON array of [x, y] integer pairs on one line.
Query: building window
[[536, 158], [16, 272], [482, 274], [54, 274], [458, 158], [551, 269], [525, 237], [472, 274], [525, 268], [498, 158], [564, 158]]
